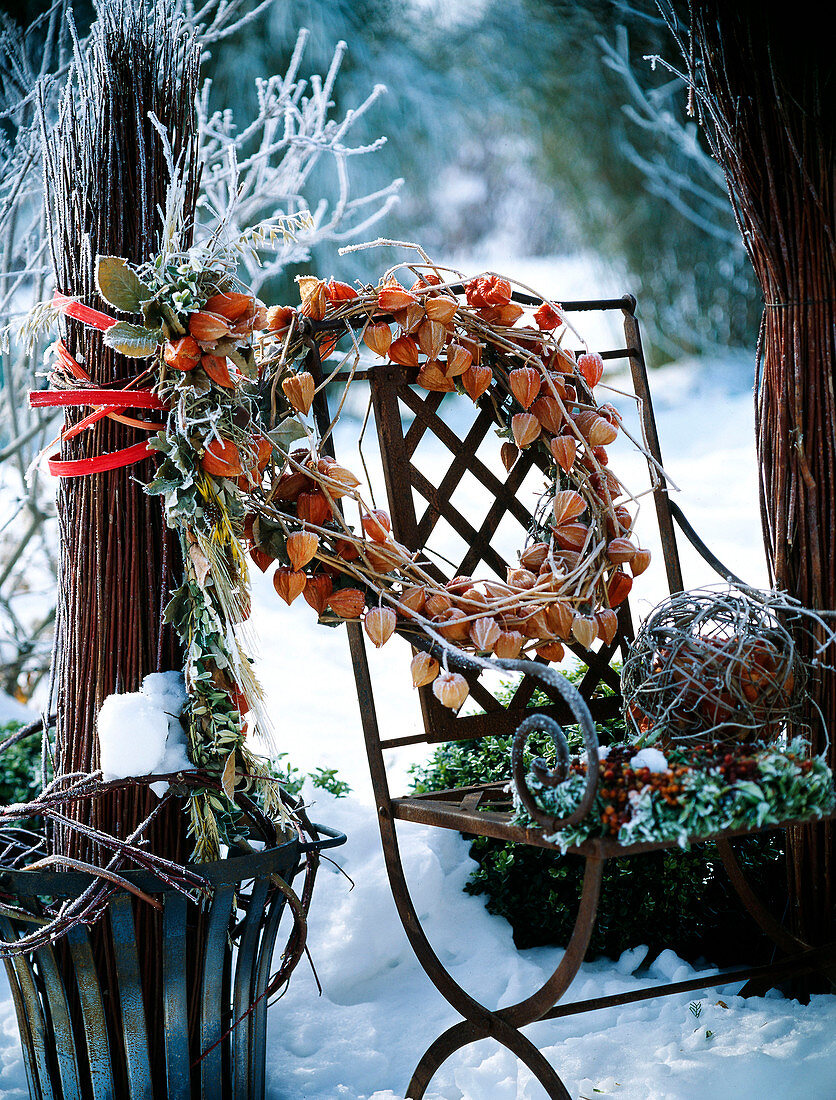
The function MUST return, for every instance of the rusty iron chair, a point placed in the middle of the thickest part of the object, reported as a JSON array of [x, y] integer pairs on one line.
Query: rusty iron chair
[[417, 503]]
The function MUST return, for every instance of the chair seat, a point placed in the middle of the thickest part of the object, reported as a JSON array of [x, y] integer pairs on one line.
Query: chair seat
[[486, 810]]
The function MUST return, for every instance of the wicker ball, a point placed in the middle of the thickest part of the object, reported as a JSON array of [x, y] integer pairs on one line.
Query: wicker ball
[[714, 667]]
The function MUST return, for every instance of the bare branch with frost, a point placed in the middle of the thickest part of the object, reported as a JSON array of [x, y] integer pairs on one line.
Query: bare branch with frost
[[257, 181]]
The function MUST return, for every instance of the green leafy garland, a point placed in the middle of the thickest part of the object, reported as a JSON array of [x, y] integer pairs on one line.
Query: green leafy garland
[[703, 792], [212, 442]]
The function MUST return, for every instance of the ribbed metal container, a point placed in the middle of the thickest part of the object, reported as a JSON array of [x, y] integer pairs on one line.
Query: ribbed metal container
[[221, 951]]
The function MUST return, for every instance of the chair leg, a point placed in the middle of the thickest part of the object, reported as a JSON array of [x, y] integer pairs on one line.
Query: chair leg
[[480, 1022], [785, 940], [464, 1033], [756, 909]]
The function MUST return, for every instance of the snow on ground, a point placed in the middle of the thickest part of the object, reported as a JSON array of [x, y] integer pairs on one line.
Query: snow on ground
[[378, 1012]]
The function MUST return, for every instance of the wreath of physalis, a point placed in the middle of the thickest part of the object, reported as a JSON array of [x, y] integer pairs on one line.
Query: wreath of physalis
[[474, 338]]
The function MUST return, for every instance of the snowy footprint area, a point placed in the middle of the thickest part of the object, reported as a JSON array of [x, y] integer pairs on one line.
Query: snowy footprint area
[[361, 1039]]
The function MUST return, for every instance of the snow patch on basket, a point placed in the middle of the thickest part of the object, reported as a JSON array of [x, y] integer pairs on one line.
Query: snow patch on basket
[[140, 732]]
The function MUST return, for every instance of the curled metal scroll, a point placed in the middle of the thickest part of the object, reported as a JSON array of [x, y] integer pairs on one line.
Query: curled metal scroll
[[552, 777]]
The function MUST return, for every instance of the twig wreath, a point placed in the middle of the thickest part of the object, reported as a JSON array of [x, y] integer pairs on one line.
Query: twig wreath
[[242, 468]]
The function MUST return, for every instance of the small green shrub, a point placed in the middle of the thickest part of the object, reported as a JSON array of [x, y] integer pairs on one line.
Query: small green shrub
[[292, 779], [681, 900], [20, 766]]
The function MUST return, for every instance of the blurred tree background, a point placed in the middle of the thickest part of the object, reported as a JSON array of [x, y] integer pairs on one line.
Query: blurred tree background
[[521, 128]]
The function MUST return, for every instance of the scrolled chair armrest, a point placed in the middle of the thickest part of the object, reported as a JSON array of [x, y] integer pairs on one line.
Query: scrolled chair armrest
[[552, 777], [467, 663]]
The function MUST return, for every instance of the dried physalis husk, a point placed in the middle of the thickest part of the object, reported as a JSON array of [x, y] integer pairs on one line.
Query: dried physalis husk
[[441, 309], [508, 644], [378, 337], [431, 338], [525, 385], [394, 297], [508, 314], [475, 380], [184, 354], [521, 578], [415, 599], [563, 451], [451, 690], [591, 366], [526, 429], [458, 584], [472, 600], [299, 390], [453, 625], [379, 624], [571, 536], [619, 523], [410, 318], [509, 454], [551, 651], [344, 478], [458, 364], [404, 352], [585, 630], [231, 305], [385, 557], [559, 618], [533, 556], [424, 669], [535, 625], [347, 603], [432, 377], [313, 508], [314, 298], [639, 562], [568, 505], [377, 525], [278, 319], [289, 583], [436, 604], [601, 432], [484, 633], [619, 588], [607, 623], [563, 361], [620, 550], [549, 413], [317, 591], [206, 328], [301, 547]]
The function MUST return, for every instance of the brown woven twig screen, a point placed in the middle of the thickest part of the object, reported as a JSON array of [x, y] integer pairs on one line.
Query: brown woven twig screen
[[764, 84]]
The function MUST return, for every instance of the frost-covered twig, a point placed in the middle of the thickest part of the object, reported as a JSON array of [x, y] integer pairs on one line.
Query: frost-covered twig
[[257, 183], [257, 176]]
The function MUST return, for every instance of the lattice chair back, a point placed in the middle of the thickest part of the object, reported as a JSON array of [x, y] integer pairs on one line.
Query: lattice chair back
[[452, 500]]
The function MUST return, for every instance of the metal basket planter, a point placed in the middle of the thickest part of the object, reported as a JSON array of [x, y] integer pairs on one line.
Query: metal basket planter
[[213, 968]]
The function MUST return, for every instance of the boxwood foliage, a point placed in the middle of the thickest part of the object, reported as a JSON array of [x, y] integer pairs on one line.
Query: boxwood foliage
[[676, 899]]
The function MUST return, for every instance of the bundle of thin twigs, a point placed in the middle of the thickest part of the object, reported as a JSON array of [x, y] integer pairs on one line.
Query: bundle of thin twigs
[[764, 86], [719, 667], [107, 181]]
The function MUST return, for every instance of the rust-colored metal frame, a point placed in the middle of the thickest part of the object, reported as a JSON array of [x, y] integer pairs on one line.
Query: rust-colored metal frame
[[485, 810]]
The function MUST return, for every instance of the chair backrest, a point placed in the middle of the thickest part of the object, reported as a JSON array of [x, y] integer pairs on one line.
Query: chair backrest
[[427, 493]]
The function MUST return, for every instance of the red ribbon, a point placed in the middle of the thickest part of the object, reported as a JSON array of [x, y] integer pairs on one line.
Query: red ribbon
[[82, 313], [106, 403], [81, 467]]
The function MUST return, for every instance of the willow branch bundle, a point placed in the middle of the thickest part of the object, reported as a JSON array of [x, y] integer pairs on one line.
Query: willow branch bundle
[[765, 89], [107, 180]]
